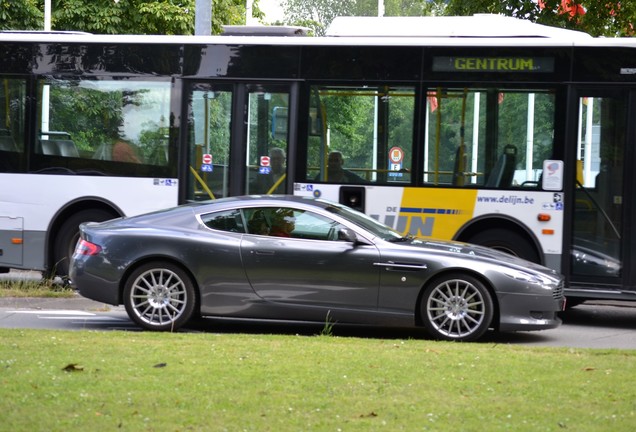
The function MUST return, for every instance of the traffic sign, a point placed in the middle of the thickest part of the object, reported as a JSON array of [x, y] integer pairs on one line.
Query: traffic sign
[[396, 154]]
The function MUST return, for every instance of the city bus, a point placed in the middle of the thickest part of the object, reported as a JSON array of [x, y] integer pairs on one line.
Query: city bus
[[483, 129]]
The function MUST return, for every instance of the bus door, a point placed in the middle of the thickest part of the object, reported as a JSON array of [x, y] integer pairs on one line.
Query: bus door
[[598, 250], [266, 135], [237, 139]]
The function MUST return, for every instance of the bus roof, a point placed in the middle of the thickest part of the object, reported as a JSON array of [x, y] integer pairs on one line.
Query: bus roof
[[262, 30], [481, 30], [476, 26]]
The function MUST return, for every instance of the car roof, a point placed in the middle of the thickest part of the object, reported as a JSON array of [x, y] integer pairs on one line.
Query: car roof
[[257, 200]]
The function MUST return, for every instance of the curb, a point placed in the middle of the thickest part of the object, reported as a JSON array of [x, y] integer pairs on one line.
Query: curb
[[76, 302]]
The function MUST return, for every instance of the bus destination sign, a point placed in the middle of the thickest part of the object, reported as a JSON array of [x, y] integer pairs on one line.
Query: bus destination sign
[[493, 64]]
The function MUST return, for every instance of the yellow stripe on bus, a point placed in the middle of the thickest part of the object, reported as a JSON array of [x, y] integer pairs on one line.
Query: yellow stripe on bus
[[437, 213]]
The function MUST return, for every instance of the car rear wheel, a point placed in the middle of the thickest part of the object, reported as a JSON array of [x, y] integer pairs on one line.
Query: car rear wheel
[[457, 307], [159, 296]]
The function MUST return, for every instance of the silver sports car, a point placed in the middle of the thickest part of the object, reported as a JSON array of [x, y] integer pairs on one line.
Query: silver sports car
[[301, 259]]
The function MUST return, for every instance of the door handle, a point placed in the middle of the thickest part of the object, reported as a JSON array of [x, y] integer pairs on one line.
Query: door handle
[[263, 252]]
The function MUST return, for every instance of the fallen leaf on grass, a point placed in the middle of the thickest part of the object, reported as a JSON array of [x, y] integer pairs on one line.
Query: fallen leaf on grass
[[73, 367]]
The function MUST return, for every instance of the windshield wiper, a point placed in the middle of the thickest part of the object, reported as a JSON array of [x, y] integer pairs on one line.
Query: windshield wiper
[[402, 239]]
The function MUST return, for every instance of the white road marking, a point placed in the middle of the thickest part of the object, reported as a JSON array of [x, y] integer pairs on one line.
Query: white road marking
[[82, 317], [52, 312]]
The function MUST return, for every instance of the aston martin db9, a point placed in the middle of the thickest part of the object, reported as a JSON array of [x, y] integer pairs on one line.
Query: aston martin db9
[[309, 260]]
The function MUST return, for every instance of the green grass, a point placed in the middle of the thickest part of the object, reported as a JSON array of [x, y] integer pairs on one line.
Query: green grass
[[34, 288], [205, 381]]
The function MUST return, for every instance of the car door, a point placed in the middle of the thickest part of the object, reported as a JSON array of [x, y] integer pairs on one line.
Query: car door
[[309, 267]]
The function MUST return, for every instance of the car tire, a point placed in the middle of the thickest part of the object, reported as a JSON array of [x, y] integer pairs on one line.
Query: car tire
[[456, 307], [507, 241], [160, 296], [67, 236]]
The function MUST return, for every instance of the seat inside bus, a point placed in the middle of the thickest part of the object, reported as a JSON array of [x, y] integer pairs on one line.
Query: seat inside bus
[[6, 142], [65, 148], [504, 170]]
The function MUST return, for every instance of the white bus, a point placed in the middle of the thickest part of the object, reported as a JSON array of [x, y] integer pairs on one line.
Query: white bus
[[482, 129]]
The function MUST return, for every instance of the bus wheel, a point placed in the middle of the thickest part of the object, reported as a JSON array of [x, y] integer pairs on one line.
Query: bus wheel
[[507, 241], [67, 236], [456, 307], [159, 296]]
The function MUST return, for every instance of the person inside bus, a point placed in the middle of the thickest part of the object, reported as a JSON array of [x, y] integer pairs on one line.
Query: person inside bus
[[336, 173], [124, 152], [276, 177]]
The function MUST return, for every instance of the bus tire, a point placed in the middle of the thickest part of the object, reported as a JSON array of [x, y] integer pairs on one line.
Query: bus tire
[[67, 236], [507, 241]]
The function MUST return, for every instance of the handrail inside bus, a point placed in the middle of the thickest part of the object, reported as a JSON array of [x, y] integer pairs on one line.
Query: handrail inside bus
[[276, 184], [202, 182]]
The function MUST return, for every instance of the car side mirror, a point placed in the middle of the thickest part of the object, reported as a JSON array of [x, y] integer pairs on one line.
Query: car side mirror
[[348, 235]]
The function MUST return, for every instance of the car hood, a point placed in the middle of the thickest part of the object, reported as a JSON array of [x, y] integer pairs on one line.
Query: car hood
[[468, 250]]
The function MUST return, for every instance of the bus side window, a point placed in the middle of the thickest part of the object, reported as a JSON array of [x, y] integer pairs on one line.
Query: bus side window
[[370, 127], [128, 122], [487, 137]]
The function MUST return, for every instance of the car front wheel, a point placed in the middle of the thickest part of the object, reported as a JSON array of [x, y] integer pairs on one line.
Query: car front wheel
[[457, 307], [159, 296]]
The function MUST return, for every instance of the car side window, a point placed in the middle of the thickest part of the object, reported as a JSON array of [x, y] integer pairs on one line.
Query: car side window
[[291, 223], [314, 226], [257, 221], [271, 221], [228, 220]]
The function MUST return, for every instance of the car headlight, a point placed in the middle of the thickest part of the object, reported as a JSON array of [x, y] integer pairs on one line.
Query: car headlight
[[531, 278]]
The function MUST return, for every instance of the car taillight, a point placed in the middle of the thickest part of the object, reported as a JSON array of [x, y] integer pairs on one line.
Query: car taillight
[[87, 248]]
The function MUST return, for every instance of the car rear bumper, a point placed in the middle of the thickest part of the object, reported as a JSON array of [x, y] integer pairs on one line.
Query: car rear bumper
[[94, 288]]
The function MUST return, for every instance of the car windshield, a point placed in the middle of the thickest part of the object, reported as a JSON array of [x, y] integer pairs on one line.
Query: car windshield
[[368, 223]]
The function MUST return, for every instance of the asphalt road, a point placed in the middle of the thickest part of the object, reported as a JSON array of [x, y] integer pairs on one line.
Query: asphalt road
[[591, 325]]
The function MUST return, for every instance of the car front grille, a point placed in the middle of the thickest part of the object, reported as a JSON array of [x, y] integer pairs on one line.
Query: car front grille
[[557, 293]]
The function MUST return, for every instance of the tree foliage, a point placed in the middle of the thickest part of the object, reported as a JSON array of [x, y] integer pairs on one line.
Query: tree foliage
[[598, 18], [23, 14], [414, 7], [121, 17], [318, 14]]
